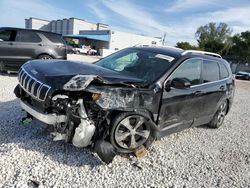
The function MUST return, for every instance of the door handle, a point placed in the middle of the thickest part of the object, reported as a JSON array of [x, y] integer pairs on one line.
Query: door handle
[[10, 43], [40, 44], [198, 93], [222, 88]]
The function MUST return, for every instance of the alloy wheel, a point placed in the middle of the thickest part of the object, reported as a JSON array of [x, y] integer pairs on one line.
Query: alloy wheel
[[222, 113], [132, 132]]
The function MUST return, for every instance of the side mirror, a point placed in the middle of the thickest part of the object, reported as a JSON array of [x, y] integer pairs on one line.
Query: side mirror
[[178, 83]]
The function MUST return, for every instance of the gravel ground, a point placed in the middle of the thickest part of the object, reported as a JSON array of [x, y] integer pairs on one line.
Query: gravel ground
[[82, 57], [197, 157]]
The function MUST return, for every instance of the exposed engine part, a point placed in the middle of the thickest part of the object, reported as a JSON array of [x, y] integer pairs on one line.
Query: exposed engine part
[[82, 111], [85, 130], [60, 97], [83, 134], [58, 136]]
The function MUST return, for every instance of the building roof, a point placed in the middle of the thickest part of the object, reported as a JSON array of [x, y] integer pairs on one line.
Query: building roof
[[86, 36], [37, 19]]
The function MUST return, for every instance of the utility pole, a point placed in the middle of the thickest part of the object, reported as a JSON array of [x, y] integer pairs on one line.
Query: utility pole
[[163, 39]]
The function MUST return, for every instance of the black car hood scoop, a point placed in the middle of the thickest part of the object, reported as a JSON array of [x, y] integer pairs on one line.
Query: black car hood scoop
[[63, 70]]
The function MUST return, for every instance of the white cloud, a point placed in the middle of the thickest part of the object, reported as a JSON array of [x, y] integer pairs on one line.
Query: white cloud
[[14, 12], [184, 30], [98, 11], [137, 18], [182, 5]]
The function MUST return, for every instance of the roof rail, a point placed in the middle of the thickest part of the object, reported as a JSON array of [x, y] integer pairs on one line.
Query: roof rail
[[154, 45], [201, 52]]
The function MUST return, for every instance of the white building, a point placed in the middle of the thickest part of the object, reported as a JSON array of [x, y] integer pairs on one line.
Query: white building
[[108, 41], [64, 26], [95, 35]]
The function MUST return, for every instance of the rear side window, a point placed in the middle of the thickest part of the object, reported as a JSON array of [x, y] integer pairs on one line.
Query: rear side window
[[7, 35], [54, 38], [190, 70], [223, 71], [28, 36], [211, 71]]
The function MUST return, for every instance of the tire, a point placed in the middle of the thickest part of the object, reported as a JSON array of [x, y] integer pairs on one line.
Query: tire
[[1, 67], [219, 116], [129, 131], [45, 57]]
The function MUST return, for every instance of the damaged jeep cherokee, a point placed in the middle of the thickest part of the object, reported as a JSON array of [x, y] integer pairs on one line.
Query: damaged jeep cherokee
[[128, 99]]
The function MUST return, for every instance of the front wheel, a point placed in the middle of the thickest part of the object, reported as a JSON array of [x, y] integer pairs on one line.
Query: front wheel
[[129, 131], [219, 116]]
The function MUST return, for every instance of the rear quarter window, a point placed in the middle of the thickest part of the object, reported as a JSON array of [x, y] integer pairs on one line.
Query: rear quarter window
[[223, 71], [210, 71], [54, 38]]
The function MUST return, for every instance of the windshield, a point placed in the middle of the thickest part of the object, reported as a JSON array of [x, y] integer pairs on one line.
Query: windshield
[[142, 64]]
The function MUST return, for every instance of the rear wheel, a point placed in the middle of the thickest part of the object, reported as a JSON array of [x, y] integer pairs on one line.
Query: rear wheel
[[129, 131], [2, 69], [219, 116], [45, 57]]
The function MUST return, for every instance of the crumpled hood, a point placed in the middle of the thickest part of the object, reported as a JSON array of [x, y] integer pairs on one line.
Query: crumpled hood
[[58, 72]]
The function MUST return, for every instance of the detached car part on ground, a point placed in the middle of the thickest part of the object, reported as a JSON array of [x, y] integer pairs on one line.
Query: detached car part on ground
[[128, 99]]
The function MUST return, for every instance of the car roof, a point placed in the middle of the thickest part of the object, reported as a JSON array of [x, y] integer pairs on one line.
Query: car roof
[[40, 31], [170, 51], [178, 52]]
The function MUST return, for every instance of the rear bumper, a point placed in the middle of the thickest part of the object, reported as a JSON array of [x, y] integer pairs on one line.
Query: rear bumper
[[50, 119]]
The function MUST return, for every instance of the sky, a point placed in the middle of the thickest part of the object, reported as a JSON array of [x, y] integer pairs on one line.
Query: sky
[[179, 19]]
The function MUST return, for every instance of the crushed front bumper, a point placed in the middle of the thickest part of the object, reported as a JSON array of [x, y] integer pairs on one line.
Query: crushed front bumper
[[50, 119]]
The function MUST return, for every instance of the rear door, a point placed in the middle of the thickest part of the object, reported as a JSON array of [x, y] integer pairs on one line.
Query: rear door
[[27, 44], [213, 89]]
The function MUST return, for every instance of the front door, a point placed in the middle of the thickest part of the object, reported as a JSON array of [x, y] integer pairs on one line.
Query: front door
[[180, 106], [7, 45]]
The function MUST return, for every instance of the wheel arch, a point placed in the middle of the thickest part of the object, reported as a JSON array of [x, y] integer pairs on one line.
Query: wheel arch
[[51, 55]]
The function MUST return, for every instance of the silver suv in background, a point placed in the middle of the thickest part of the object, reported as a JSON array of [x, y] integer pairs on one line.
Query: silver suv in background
[[20, 45]]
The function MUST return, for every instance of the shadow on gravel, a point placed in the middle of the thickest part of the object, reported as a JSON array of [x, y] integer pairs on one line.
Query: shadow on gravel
[[35, 137], [12, 74], [205, 126]]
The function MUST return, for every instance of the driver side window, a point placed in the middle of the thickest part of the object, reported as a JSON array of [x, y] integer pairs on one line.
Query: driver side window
[[190, 70]]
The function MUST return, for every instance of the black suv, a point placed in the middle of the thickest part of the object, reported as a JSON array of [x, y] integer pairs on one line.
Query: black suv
[[20, 45], [129, 98]]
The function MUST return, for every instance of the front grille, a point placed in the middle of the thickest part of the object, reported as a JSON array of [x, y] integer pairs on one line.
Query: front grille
[[32, 86]]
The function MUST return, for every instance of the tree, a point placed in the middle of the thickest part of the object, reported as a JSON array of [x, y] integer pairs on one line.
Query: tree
[[241, 46], [185, 46], [214, 37]]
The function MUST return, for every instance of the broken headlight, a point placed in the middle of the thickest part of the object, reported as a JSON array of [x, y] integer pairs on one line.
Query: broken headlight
[[79, 82]]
